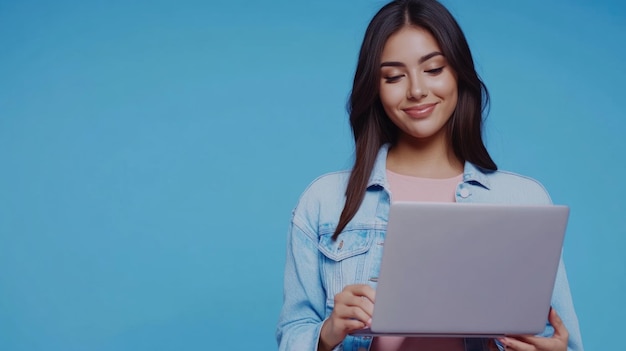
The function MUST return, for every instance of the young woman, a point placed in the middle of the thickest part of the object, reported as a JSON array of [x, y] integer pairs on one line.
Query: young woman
[[416, 115]]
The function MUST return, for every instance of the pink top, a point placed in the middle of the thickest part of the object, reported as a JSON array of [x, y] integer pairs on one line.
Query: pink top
[[408, 188]]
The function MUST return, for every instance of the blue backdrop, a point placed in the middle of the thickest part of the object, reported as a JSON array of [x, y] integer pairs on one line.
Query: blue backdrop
[[151, 153]]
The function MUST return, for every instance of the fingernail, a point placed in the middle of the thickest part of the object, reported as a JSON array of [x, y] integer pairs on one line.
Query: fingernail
[[369, 321]]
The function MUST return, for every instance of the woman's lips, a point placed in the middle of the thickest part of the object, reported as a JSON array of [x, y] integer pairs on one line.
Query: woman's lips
[[420, 111]]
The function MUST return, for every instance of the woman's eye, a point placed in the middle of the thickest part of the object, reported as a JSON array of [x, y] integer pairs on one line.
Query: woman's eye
[[434, 70], [393, 79]]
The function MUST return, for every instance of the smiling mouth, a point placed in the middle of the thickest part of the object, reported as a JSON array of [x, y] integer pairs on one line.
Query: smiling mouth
[[420, 111]]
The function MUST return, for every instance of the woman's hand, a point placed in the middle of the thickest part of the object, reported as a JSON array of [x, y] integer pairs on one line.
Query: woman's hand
[[353, 311], [557, 342]]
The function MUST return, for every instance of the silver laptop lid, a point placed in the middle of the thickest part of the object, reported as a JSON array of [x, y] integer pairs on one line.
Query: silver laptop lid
[[468, 269]]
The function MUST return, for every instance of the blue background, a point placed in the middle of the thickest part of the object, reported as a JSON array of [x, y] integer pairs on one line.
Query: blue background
[[151, 153]]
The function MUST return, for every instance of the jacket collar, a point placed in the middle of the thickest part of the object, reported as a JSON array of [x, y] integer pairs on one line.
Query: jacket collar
[[378, 178]]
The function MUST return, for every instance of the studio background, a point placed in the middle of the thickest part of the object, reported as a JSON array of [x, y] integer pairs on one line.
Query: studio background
[[151, 153]]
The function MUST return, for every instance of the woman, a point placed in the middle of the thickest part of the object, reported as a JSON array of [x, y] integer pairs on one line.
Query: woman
[[416, 115]]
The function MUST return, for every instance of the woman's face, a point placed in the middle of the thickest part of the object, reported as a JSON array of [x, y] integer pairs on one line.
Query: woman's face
[[418, 89]]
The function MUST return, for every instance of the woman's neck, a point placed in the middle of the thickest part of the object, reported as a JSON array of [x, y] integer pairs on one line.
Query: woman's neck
[[424, 158]]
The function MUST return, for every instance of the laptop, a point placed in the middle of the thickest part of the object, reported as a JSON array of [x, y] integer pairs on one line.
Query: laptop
[[467, 270]]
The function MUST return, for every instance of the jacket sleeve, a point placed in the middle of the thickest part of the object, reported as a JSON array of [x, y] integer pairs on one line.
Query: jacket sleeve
[[304, 299], [564, 306], [531, 192], [561, 295]]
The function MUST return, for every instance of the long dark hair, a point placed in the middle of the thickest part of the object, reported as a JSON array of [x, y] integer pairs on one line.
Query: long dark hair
[[372, 128]]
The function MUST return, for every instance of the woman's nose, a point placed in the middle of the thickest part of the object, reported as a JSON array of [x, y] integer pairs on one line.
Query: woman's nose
[[417, 90]]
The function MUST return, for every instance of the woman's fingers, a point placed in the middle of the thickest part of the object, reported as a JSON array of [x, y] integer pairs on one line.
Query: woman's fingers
[[533, 343], [353, 310], [353, 313], [557, 342], [514, 344], [354, 303], [358, 297], [560, 331], [362, 290]]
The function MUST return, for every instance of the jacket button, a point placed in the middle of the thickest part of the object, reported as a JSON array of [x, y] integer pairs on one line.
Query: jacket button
[[464, 193]]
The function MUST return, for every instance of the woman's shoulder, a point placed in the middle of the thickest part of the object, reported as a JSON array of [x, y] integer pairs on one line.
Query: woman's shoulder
[[327, 188], [515, 186], [508, 177], [324, 197]]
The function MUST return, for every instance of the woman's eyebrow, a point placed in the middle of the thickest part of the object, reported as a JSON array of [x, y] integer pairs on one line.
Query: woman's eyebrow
[[420, 61], [392, 64], [429, 56]]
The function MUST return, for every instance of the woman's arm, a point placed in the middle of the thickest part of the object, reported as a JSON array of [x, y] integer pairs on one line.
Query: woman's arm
[[301, 325], [564, 306], [304, 299], [562, 331]]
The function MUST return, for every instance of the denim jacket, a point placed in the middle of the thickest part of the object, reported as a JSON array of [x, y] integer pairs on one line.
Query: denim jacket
[[317, 268]]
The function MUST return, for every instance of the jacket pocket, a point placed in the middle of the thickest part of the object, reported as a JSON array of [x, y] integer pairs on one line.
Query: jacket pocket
[[347, 260], [348, 244]]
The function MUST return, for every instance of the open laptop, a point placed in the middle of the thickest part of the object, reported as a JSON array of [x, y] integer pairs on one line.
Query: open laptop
[[467, 270]]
